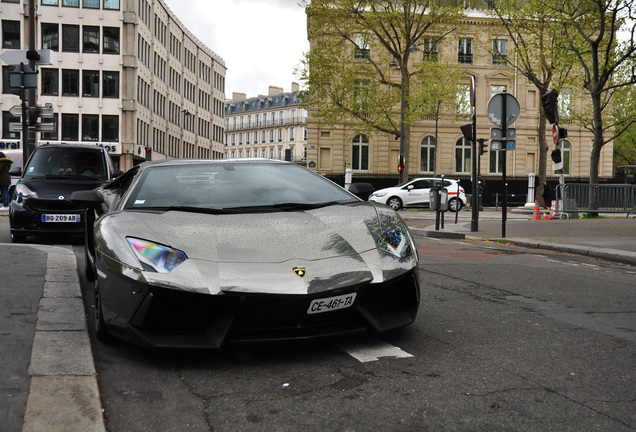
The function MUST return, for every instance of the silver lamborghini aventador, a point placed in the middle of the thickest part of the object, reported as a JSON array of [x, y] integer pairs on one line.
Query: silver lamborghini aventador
[[198, 253]]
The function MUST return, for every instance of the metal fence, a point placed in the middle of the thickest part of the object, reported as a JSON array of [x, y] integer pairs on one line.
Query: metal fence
[[573, 199]]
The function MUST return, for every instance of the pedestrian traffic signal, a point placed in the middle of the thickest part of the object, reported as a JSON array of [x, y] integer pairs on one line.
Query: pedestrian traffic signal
[[550, 106], [148, 153], [556, 155]]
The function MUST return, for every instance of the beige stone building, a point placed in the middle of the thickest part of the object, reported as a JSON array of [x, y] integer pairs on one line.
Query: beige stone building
[[485, 56], [124, 74], [272, 126]]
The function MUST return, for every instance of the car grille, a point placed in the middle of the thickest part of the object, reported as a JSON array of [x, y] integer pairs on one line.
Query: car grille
[[40, 205]]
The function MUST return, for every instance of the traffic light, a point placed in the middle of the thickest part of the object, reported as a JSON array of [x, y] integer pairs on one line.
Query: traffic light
[[483, 147], [467, 130], [556, 155], [550, 105], [401, 164], [148, 153], [563, 133]]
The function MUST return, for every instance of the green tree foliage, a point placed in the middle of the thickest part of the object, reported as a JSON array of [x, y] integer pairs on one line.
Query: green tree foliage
[[359, 71], [600, 34], [540, 56]]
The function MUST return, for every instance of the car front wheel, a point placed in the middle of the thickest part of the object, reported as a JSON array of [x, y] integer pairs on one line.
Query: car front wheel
[[395, 203], [455, 205]]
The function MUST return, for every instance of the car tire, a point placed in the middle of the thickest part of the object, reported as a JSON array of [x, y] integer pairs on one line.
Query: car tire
[[455, 205], [101, 333], [18, 238], [394, 202]]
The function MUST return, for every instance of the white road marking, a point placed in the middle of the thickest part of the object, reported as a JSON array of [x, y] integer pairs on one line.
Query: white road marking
[[367, 348]]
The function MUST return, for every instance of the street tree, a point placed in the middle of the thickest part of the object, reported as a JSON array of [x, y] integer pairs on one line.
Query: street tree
[[539, 56], [359, 71], [601, 36]]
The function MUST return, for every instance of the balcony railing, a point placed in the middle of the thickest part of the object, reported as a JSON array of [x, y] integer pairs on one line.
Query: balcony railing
[[267, 123]]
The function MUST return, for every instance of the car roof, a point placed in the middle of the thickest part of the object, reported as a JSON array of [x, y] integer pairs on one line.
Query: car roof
[[75, 146], [243, 161]]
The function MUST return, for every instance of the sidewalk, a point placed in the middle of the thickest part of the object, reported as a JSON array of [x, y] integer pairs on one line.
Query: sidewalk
[[612, 238]]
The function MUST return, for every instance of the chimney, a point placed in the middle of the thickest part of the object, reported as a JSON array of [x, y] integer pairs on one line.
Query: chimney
[[238, 96], [295, 87], [273, 90]]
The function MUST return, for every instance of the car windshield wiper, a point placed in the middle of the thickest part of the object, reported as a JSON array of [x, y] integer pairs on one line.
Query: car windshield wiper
[[291, 206], [189, 209]]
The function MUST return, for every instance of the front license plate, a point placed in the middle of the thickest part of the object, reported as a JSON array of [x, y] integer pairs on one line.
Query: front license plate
[[61, 218], [331, 303]]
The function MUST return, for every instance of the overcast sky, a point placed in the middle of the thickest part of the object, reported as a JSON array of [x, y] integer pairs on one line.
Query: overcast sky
[[261, 41]]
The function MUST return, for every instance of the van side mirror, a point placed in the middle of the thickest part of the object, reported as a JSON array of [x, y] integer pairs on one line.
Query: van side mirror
[[16, 172]]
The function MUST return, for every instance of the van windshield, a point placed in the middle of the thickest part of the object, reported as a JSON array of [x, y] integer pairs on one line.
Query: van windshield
[[71, 163]]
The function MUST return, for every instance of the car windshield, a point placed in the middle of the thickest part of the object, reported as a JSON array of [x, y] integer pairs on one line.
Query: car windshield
[[235, 187], [71, 163]]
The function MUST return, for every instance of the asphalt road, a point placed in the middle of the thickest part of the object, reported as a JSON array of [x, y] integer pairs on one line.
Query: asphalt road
[[507, 339]]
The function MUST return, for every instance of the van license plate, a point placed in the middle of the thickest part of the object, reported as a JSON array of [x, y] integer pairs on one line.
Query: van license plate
[[61, 218]]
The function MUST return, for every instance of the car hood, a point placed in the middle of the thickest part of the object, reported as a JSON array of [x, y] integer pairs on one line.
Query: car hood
[[59, 188], [335, 245]]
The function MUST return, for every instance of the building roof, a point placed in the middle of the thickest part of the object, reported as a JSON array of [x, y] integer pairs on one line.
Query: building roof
[[262, 103]]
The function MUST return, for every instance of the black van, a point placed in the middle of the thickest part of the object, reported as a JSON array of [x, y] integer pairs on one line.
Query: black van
[[41, 201]]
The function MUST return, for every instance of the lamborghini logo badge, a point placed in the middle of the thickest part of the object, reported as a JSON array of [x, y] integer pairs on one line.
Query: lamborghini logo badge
[[300, 271]]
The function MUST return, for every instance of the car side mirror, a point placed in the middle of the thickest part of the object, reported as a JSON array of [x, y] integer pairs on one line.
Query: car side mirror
[[411, 187], [16, 172], [92, 199]]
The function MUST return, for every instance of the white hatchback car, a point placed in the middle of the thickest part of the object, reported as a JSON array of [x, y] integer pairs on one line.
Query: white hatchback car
[[415, 193]]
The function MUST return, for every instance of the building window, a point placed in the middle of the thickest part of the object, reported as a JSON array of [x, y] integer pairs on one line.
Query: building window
[[111, 4], [92, 4], [70, 3], [70, 82], [90, 127], [50, 2], [427, 154], [70, 38], [90, 83], [462, 156], [496, 161], [361, 95], [50, 82], [110, 128], [363, 48], [91, 39], [564, 104], [429, 50], [11, 34], [463, 100], [499, 52], [6, 80], [6, 119], [110, 84], [51, 136], [111, 40], [360, 153], [70, 127], [465, 51], [50, 37], [566, 155], [496, 89]]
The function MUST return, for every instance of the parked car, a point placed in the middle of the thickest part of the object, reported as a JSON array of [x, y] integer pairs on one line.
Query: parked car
[[195, 254], [415, 193], [41, 200]]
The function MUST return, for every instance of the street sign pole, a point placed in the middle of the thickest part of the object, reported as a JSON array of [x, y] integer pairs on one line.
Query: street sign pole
[[504, 207], [25, 127], [33, 57], [474, 202]]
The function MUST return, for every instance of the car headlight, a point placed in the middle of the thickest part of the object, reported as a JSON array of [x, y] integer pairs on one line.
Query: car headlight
[[378, 194], [396, 242], [23, 191], [162, 259]]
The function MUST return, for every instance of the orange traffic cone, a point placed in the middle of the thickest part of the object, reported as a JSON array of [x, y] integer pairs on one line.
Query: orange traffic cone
[[545, 215], [536, 215]]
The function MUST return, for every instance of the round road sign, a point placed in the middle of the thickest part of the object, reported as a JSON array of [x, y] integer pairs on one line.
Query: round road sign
[[555, 134], [495, 108]]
